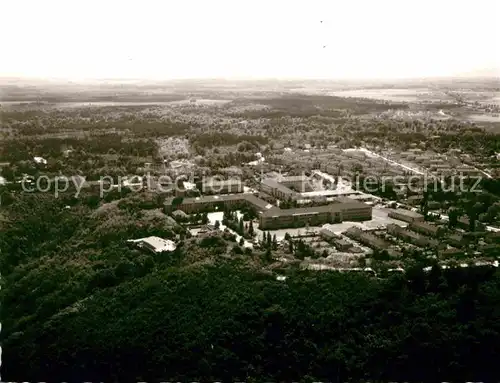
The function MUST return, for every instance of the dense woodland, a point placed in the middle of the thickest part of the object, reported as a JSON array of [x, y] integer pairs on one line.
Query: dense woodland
[[319, 120], [230, 324]]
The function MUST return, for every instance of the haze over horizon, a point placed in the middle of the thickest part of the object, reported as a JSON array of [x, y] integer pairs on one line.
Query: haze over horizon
[[154, 40]]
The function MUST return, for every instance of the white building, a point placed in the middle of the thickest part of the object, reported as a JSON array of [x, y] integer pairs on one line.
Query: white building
[[135, 181], [155, 244], [40, 160]]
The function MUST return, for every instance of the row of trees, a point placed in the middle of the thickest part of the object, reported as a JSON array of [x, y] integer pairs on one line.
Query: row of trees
[[269, 242], [82, 148], [194, 218], [300, 249], [216, 139], [380, 188], [480, 206], [231, 220]]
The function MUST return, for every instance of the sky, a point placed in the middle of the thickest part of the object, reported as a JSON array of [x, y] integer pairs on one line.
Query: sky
[[165, 39]]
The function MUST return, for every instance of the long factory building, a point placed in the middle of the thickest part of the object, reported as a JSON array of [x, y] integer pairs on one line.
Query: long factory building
[[272, 217]]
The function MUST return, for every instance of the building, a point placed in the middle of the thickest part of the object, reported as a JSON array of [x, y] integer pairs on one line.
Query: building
[[433, 205], [40, 160], [213, 186], [367, 239], [427, 229], [301, 184], [493, 237], [457, 240], [450, 252], [206, 231], [286, 187], [405, 215], [315, 216], [327, 233], [272, 217], [489, 249], [441, 169], [411, 237], [277, 190], [135, 182], [467, 171], [353, 210], [154, 244], [342, 244], [464, 224], [216, 202]]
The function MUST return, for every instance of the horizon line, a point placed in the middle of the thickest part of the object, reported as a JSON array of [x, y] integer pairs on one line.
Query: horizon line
[[76, 80]]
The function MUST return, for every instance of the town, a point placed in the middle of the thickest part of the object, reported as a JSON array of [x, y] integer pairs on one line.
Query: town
[[351, 202]]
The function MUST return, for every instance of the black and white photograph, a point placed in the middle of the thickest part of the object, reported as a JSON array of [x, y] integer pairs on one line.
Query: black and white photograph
[[250, 191]]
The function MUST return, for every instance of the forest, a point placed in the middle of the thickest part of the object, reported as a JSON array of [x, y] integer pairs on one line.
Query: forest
[[79, 305], [226, 323]]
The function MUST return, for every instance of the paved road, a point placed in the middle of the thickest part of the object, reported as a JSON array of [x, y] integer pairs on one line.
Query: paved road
[[413, 170]]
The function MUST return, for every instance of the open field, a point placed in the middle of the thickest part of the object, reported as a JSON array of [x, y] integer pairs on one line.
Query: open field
[[484, 118], [396, 95]]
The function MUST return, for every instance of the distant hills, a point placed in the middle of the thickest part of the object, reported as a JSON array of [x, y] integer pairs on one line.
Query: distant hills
[[14, 87], [484, 73]]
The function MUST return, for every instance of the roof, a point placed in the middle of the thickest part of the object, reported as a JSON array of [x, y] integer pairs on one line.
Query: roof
[[418, 237], [394, 226], [425, 225], [272, 183], [354, 230], [405, 212], [179, 213], [258, 203], [361, 236], [456, 237], [229, 182], [342, 199], [415, 197], [340, 241], [40, 160], [207, 199], [325, 230], [158, 244], [332, 208], [250, 198], [293, 179], [451, 250], [268, 209]]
